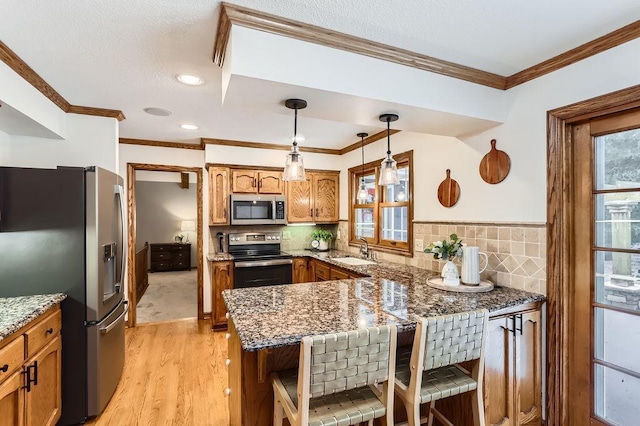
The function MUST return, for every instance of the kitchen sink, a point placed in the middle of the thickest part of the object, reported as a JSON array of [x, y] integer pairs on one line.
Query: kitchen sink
[[354, 261]]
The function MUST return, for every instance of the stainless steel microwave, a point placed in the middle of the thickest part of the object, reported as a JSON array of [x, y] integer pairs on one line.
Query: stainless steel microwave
[[254, 209]]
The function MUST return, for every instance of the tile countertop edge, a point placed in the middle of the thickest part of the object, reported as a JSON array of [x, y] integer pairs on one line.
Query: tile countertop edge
[[16, 312]]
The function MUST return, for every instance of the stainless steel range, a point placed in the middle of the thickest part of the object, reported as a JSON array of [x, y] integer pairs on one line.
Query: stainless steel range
[[258, 260]]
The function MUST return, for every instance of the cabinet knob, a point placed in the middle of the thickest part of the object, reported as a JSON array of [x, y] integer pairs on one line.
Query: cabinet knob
[[49, 331], [227, 391], [4, 368], [227, 336], [227, 362], [226, 315]]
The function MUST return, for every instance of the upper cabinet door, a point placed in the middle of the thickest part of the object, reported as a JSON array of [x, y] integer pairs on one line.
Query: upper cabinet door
[[326, 190], [244, 181], [300, 201], [218, 196], [270, 183]]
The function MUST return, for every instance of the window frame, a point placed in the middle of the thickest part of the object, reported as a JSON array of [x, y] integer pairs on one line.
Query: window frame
[[404, 159]]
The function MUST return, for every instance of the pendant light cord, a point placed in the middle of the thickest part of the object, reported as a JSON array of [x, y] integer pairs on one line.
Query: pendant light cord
[[362, 150], [388, 138], [295, 127]]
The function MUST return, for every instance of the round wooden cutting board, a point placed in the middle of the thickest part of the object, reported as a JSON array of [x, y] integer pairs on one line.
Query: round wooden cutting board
[[448, 191], [495, 165]]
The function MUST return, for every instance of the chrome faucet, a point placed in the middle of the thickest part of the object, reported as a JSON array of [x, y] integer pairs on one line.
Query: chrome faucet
[[364, 248]]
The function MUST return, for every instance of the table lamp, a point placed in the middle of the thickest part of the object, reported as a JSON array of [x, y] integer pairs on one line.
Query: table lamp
[[188, 225]]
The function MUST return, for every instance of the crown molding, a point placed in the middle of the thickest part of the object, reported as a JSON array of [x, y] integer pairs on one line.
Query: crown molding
[[21, 68], [236, 15], [367, 141], [162, 144], [100, 112], [262, 145], [591, 48]]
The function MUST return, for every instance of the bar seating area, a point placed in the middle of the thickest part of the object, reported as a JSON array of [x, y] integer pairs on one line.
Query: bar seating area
[[351, 377]]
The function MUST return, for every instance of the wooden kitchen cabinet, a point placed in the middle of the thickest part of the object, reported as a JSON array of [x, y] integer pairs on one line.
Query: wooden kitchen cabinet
[[219, 213], [256, 182], [326, 188], [513, 370], [316, 199], [244, 181], [300, 266], [270, 183], [43, 403], [318, 270], [31, 390], [222, 279], [337, 274]]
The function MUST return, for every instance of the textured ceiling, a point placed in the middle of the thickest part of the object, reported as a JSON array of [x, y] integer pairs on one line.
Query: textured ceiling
[[124, 54]]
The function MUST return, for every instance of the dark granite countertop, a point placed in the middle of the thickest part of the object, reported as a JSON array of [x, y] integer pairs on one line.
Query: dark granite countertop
[[219, 257], [268, 317], [16, 312]]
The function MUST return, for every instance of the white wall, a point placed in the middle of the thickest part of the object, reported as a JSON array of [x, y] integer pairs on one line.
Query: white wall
[[23, 97], [90, 141], [521, 197]]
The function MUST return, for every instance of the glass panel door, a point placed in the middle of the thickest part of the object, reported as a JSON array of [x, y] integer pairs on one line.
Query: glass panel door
[[616, 278]]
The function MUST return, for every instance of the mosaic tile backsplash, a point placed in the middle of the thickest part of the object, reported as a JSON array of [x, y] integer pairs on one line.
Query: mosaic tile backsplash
[[517, 253]]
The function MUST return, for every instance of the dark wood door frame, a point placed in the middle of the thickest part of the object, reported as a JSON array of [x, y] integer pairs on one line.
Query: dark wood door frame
[[131, 207], [560, 199]]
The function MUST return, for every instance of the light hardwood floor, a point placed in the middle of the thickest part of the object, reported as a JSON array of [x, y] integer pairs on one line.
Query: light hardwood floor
[[174, 374]]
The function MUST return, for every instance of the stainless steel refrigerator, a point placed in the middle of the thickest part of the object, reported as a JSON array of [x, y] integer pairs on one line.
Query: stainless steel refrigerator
[[62, 230]]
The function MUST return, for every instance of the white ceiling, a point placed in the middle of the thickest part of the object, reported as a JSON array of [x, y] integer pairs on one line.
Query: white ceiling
[[124, 54]]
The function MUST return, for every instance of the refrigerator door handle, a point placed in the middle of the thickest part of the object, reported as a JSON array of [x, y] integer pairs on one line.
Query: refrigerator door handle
[[120, 191], [108, 328]]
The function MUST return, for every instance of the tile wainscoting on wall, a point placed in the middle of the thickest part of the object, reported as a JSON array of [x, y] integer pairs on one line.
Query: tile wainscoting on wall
[[517, 252]]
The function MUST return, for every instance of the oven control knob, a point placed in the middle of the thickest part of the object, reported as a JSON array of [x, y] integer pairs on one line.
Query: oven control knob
[[268, 237], [278, 237]]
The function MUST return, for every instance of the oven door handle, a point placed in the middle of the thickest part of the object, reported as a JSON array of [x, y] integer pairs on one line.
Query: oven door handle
[[261, 263]]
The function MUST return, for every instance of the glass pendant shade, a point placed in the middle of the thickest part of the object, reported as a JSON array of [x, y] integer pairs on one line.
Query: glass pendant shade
[[294, 166], [362, 194], [388, 172]]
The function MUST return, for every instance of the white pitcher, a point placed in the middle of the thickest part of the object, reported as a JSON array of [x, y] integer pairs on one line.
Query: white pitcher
[[471, 265]]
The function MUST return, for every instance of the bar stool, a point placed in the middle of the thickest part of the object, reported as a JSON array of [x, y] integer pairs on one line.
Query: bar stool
[[429, 371], [337, 381]]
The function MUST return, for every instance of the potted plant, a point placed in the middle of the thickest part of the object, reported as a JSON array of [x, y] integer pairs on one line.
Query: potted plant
[[447, 250], [323, 237]]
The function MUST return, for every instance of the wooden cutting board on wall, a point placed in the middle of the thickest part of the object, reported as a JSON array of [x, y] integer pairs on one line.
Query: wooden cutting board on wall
[[448, 191], [495, 165]]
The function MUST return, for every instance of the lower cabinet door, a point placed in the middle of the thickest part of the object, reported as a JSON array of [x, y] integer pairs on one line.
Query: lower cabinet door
[[528, 381], [300, 270], [499, 374], [222, 276], [12, 400], [44, 399]]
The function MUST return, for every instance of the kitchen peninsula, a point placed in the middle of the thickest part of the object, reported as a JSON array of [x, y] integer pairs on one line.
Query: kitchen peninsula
[[266, 325]]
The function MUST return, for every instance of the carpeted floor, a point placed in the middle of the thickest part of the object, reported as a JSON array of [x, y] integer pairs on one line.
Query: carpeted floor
[[171, 295]]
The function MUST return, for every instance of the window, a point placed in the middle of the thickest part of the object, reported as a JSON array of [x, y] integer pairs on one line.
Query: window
[[384, 219]]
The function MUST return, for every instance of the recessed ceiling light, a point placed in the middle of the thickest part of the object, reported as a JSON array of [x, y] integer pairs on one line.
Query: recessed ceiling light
[[191, 80], [157, 111], [189, 126]]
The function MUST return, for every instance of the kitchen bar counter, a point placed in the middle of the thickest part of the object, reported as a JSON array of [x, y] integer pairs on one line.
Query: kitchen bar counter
[[16, 312], [269, 317], [266, 325]]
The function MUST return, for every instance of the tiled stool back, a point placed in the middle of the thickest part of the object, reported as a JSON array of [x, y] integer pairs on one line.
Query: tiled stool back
[[348, 360], [452, 339]]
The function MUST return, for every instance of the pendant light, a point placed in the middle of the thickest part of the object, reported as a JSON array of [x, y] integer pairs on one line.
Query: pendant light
[[389, 166], [294, 167], [362, 192]]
